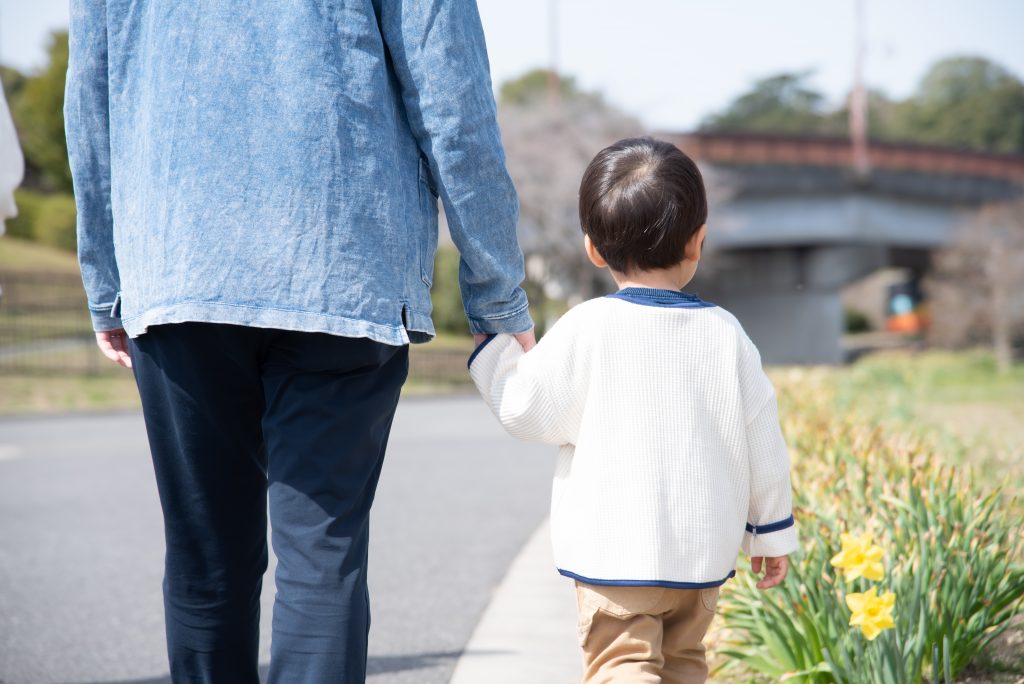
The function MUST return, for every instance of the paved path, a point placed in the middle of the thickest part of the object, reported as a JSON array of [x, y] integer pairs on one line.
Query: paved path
[[528, 632], [81, 550]]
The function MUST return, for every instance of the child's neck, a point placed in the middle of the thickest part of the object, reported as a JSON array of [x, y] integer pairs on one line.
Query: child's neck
[[672, 278]]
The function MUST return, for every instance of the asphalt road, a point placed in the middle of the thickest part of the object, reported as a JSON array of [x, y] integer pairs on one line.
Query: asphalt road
[[81, 544]]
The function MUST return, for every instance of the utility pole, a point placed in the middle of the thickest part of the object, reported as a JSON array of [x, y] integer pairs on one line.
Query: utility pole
[[859, 101], [554, 84]]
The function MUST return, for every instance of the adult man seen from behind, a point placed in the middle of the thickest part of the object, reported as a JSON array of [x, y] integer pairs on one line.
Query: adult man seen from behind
[[257, 187]]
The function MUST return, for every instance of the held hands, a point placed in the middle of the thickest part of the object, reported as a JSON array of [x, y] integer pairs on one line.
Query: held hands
[[526, 339], [775, 570], [114, 345]]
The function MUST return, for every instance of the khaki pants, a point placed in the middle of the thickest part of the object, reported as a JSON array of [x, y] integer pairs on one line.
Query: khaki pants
[[644, 635]]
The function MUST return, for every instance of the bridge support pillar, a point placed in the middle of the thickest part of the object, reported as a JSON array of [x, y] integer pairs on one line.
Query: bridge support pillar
[[788, 298]]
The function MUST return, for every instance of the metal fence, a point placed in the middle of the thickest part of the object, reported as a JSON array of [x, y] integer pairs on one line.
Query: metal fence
[[45, 327], [45, 330]]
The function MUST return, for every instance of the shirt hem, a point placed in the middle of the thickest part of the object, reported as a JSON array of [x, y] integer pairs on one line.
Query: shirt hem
[[281, 319], [646, 583]]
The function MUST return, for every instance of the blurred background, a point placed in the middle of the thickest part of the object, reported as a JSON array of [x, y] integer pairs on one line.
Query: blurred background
[[865, 162]]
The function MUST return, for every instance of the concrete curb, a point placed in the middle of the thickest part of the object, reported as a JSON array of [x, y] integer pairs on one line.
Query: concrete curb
[[528, 631]]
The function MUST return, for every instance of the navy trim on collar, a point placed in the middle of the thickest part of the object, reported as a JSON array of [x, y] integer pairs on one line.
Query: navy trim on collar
[[650, 296], [479, 349], [771, 527], [645, 583]]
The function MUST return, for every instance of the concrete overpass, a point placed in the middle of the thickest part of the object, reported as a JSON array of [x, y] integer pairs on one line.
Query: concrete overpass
[[796, 224]]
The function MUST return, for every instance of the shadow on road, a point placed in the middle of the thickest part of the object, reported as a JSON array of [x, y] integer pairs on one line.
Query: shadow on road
[[375, 665]]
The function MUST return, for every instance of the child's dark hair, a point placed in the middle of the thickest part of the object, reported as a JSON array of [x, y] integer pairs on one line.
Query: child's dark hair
[[641, 200]]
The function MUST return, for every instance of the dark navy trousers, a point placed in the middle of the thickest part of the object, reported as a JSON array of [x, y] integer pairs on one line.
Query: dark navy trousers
[[239, 414]]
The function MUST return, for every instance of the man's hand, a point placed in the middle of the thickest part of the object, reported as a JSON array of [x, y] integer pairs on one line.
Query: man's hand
[[526, 340], [775, 570], [114, 345]]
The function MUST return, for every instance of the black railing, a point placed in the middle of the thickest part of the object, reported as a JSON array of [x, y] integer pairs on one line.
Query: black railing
[[45, 330], [45, 327]]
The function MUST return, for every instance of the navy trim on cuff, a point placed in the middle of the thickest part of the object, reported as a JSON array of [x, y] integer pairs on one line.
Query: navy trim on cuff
[[771, 527], [479, 349], [646, 583]]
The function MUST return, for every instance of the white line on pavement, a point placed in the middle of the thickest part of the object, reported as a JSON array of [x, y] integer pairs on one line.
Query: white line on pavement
[[9, 452], [528, 631]]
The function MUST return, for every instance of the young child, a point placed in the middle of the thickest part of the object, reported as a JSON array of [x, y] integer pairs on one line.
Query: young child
[[671, 457]]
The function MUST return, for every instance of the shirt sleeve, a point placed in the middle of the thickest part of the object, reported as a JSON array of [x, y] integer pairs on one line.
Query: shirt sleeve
[[440, 60], [770, 529], [87, 127], [534, 394]]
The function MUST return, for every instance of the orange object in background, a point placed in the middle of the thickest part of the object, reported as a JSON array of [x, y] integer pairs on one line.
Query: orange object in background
[[910, 322], [904, 323]]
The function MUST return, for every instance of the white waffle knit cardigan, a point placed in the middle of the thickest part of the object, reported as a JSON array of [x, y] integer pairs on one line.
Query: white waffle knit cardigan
[[671, 457]]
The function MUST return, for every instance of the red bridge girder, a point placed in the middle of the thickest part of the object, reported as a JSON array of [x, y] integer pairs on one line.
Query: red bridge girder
[[797, 150]]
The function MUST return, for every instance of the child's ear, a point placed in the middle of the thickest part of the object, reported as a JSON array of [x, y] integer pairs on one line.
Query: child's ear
[[695, 245], [592, 253]]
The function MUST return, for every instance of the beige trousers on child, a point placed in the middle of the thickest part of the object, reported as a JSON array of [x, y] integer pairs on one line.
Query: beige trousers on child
[[644, 635]]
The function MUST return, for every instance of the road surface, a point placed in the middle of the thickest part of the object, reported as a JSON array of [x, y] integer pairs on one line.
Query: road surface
[[81, 544]]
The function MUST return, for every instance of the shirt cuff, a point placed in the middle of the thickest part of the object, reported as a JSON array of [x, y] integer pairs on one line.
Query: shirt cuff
[[516, 322], [102, 320], [779, 539]]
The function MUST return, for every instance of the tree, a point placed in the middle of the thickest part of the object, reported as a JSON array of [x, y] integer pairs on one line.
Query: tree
[[977, 286], [548, 145], [962, 102], [533, 88], [882, 118], [37, 106], [966, 102], [782, 103]]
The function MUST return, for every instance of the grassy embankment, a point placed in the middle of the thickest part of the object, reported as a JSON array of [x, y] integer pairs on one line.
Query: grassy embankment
[[91, 383], [913, 449], [36, 392]]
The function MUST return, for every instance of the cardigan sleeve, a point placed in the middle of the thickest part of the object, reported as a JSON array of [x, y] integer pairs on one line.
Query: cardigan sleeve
[[770, 529], [531, 394]]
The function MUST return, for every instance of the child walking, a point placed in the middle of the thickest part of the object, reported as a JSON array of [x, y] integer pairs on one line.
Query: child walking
[[671, 457]]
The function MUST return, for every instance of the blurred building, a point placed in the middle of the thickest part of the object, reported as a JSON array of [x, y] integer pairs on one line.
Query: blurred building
[[800, 226]]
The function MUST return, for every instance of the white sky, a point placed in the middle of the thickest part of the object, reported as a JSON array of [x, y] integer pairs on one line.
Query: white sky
[[671, 62]]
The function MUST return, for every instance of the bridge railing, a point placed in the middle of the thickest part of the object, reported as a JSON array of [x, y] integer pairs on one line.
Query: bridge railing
[[757, 148]]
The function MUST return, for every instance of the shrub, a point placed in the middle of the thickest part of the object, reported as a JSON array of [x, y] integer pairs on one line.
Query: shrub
[[449, 315], [48, 219], [856, 321], [23, 225], [55, 222]]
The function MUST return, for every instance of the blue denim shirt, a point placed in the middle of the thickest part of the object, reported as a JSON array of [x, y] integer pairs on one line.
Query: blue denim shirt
[[278, 164]]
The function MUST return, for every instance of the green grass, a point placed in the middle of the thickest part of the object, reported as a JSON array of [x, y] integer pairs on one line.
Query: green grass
[[22, 255], [961, 397], [35, 394]]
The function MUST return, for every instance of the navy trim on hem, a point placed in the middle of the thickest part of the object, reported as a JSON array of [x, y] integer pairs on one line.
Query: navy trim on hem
[[479, 349], [771, 527], [646, 583], [670, 299]]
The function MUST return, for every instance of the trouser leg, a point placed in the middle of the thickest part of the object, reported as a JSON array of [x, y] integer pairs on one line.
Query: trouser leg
[[686, 624], [620, 631], [330, 404], [202, 400]]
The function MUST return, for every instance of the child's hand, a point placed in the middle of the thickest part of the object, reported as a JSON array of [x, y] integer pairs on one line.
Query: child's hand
[[775, 570], [526, 339]]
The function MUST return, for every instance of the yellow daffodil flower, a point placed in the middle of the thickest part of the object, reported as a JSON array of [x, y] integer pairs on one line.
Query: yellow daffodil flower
[[859, 558], [870, 612]]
